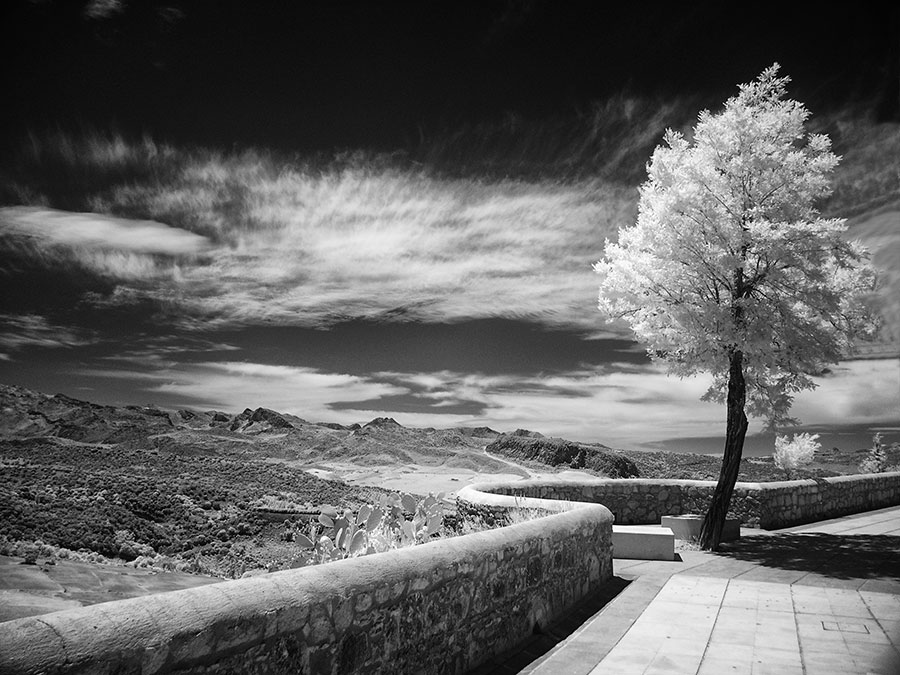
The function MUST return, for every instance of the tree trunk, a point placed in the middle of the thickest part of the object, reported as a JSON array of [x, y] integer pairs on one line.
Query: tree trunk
[[736, 430]]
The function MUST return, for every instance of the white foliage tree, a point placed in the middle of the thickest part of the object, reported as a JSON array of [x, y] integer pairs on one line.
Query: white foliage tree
[[730, 269], [876, 459], [791, 454]]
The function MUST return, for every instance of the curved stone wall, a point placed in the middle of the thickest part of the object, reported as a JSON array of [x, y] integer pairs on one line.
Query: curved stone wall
[[442, 607], [635, 501]]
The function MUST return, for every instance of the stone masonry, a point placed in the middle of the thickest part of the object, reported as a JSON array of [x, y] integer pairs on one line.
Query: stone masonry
[[443, 607], [767, 505]]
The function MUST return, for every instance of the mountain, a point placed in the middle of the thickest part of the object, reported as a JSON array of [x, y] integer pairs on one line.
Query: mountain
[[191, 487], [263, 433]]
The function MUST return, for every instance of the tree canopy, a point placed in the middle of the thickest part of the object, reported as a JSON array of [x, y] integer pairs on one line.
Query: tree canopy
[[729, 253]]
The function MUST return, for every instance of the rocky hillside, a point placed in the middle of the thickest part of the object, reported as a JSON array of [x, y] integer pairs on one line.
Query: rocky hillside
[[524, 445], [192, 486], [260, 433]]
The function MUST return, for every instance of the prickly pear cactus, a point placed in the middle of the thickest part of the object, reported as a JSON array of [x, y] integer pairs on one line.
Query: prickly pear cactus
[[396, 520]]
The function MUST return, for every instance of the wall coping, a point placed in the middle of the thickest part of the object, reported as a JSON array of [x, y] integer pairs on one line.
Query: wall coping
[[759, 504], [486, 487], [483, 493]]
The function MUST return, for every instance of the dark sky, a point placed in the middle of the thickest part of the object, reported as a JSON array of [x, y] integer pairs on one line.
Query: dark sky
[[321, 75], [349, 288]]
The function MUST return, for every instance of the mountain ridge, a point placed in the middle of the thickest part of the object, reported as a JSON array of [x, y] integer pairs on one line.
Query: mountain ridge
[[41, 414]]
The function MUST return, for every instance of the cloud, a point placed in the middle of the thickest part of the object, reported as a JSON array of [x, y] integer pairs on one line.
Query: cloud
[[310, 249], [627, 405], [31, 330], [856, 392], [109, 246], [362, 246], [233, 386], [102, 9], [267, 243], [580, 405], [616, 407], [167, 348], [96, 231]]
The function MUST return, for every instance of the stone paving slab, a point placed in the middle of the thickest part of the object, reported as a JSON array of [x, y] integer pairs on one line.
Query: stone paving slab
[[817, 599], [700, 624]]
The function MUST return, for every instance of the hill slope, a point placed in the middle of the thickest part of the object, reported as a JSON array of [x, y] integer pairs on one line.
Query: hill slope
[[193, 490], [136, 481]]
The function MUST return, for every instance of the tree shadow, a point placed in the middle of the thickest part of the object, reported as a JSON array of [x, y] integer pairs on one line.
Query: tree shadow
[[858, 556]]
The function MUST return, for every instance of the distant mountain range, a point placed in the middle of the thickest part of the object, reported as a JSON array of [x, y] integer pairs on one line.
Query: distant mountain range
[[263, 433]]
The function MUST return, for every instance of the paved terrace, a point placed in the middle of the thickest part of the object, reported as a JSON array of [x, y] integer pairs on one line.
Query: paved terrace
[[817, 599]]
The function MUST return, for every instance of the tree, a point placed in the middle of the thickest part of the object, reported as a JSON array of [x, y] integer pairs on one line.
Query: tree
[[799, 451], [876, 459], [730, 270]]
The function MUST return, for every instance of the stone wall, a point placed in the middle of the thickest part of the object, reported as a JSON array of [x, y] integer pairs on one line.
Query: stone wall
[[636, 501], [796, 502], [442, 607]]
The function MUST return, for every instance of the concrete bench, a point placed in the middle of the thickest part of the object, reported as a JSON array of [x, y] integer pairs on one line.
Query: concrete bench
[[642, 542]]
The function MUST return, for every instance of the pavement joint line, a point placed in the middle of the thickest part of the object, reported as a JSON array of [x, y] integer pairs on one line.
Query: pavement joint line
[[796, 614], [893, 642]]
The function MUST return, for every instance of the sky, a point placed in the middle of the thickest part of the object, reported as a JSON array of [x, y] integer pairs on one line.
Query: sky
[[374, 209]]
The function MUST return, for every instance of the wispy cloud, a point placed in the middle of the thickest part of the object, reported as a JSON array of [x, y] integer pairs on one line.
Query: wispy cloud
[[253, 239], [618, 404], [167, 349], [233, 386], [96, 231], [310, 248], [362, 246], [120, 248], [32, 330]]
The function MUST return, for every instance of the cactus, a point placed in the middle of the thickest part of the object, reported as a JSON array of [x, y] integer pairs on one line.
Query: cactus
[[372, 529]]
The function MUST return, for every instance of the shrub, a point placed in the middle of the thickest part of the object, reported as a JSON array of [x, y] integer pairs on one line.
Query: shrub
[[30, 552], [792, 454], [876, 460]]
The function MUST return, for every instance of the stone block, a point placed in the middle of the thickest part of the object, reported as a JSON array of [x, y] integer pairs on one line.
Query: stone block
[[687, 527], [638, 542]]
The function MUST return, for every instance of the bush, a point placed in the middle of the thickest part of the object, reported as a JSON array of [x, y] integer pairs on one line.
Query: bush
[[792, 454], [876, 460]]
